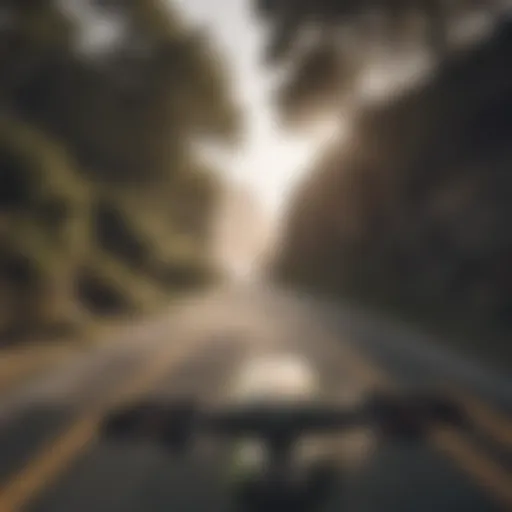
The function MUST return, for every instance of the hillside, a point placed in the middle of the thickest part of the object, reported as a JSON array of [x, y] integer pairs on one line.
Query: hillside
[[105, 206]]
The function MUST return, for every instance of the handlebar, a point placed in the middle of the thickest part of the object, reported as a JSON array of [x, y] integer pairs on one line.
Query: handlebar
[[405, 416], [174, 424]]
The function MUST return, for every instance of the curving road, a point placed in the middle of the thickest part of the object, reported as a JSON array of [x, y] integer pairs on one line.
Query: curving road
[[52, 461]]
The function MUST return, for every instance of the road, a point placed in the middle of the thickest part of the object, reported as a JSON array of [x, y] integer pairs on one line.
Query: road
[[51, 458]]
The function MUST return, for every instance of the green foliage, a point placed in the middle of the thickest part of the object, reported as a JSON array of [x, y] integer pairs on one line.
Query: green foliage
[[104, 205], [130, 111]]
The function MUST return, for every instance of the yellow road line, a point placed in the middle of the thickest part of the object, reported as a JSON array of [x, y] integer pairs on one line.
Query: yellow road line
[[14, 374], [498, 427], [51, 461], [17, 368], [486, 472], [489, 475]]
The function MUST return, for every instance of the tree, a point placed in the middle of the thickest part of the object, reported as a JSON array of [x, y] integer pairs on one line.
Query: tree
[[128, 107], [101, 184], [328, 45], [411, 216]]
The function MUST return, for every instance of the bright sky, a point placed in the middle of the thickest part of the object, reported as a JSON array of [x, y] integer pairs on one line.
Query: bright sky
[[271, 161]]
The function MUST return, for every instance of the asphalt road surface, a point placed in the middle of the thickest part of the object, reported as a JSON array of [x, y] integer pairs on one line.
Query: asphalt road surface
[[52, 460]]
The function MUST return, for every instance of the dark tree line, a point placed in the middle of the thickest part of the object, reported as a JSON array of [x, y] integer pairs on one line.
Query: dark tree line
[[327, 46], [411, 214]]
